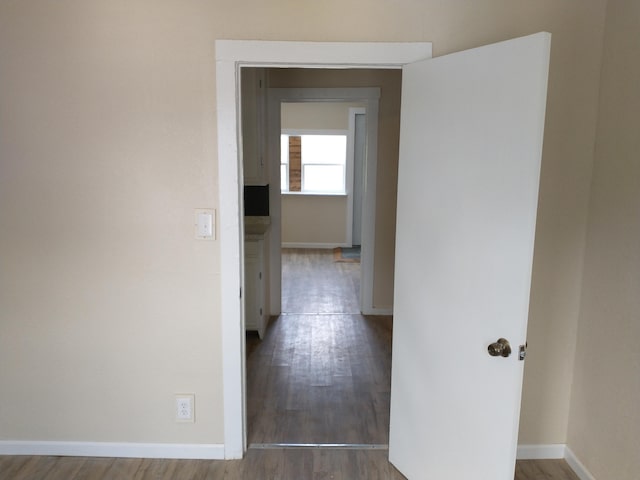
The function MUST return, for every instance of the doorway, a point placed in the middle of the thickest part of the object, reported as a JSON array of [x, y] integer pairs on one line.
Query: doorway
[[309, 86], [322, 373], [321, 321], [229, 56]]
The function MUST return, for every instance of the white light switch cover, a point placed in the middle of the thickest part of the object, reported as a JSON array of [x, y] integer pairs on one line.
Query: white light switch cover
[[205, 223]]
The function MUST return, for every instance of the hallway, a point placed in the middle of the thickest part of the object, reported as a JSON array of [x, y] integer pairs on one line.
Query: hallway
[[322, 374]]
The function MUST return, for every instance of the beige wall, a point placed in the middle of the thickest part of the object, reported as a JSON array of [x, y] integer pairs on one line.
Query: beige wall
[[107, 144], [108, 306], [316, 115], [314, 220], [604, 428]]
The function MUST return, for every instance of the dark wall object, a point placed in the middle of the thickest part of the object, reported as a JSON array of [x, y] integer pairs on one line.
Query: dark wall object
[[256, 201]]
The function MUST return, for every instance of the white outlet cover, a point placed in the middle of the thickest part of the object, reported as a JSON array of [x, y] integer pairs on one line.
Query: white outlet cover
[[185, 408]]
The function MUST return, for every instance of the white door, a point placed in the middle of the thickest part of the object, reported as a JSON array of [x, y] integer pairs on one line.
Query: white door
[[470, 148]]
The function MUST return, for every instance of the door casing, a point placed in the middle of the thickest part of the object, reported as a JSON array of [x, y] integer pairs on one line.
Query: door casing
[[354, 227], [230, 56]]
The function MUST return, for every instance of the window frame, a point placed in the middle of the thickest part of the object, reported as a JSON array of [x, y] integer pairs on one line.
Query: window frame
[[348, 164]]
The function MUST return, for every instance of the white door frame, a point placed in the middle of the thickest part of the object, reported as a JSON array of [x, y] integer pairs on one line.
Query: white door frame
[[230, 55], [355, 184], [370, 98]]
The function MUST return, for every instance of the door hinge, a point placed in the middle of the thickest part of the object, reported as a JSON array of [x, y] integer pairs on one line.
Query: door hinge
[[240, 292]]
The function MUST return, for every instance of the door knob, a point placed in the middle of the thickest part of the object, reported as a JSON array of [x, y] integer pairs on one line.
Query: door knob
[[501, 348]]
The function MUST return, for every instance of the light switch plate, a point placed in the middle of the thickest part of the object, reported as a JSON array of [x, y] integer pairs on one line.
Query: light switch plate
[[204, 223]]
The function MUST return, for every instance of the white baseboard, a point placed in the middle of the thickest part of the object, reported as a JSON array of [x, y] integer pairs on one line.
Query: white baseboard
[[314, 245], [577, 466], [539, 452], [555, 451], [216, 451], [107, 449]]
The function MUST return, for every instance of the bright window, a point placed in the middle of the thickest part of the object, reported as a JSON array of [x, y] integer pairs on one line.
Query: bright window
[[313, 163]]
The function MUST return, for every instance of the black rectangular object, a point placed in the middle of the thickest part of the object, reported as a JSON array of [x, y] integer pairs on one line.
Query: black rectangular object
[[256, 200]]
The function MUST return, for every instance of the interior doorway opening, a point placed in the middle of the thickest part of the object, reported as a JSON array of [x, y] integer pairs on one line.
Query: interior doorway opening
[[230, 56], [321, 375], [344, 96]]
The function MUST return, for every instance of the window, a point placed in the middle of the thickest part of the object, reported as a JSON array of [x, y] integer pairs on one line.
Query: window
[[313, 163]]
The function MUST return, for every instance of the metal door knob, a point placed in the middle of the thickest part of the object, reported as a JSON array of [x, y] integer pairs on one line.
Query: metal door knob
[[501, 348]]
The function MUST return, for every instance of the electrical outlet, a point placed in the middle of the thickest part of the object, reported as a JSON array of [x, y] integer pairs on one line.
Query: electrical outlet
[[185, 407]]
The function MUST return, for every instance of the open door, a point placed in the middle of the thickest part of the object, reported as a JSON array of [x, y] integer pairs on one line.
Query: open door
[[470, 149]]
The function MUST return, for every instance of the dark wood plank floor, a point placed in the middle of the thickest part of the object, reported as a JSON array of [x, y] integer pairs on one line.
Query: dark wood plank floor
[[312, 282], [544, 470], [280, 464], [321, 379], [322, 374]]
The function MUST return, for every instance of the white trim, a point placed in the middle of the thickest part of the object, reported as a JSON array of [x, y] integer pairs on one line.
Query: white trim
[[577, 466], [229, 55], [348, 180], [314, 245], [217, 451], [555, 451], [109, 449], [368, 227], [317, 194], [538, 452], [351, 144], [231, 237], [300, 132]]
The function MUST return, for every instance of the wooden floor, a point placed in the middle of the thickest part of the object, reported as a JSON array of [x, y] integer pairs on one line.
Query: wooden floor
[[280, 464], [321, 379], [313, 283], [321, 375]]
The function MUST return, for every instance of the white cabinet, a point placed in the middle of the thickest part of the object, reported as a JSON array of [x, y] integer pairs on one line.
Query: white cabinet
[[254, 118], [254, 279]]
